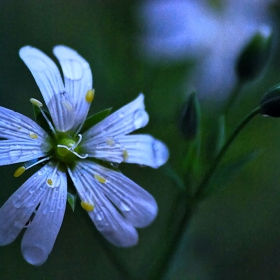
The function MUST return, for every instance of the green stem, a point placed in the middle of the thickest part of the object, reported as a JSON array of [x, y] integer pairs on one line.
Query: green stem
[[232, 98], [201, 188]]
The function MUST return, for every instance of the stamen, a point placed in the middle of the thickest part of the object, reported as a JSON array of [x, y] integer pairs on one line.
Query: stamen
[[87, 206], [33, 135], [125, 155], [19, 171], [51, 179], [90, 95], [39, 105], [36, 102], [50, 182], [89, 98], [100, 179], [27, 166]]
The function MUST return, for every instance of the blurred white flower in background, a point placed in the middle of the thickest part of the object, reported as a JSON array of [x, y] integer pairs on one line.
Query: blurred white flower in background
[[212, 33]]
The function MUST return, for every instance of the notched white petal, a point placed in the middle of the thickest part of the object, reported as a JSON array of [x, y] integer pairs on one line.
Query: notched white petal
[[12, 151], [77, 79], [16, 126], [17, 210], [48, 79], [137, 206], [111, 224], [125, 120], [41, 234]]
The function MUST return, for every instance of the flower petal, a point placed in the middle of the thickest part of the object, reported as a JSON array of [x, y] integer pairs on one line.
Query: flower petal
[[41, 234], [77, 79], [144, 149], [14, 214], [12, 151], [48, 79], [112, 225], [136, 205], [125, 120], [15, 126], [138, 148]]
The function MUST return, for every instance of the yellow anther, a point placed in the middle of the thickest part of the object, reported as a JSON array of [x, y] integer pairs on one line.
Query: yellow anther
[[19, 171], [110, 141], [125, 155], [67, 105], [90, 95], [99, 178], [87, 206], [33, 135], [50, 182], [36, 102]]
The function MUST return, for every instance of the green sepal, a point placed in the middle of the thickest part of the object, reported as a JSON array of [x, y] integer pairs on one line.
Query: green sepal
[[190, 121], [93, 120], [254, 56], [228, 172], [72, 199]]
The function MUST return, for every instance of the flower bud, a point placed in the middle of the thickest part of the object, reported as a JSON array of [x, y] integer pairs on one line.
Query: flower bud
[[270, 103], [190, 117], [254, 56]]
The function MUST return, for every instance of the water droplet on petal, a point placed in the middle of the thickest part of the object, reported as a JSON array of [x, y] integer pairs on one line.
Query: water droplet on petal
[[40, 172], [99, 216], [35, 151], [46, 210], [124, 207], [121, 114], [17, 201], [140, 118], [15, 152], [160, 153]]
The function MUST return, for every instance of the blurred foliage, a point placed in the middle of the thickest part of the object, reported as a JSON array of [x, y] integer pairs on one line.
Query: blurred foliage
[[234, 234]]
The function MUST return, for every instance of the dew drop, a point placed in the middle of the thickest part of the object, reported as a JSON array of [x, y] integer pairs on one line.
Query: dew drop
[[18, 224], [140, 118], [124, 207], [121, 114], [15, 152], [32, 190], [160, 153], [56, 181], [35, 151], [17, 201], [99, 216], [46, 209]]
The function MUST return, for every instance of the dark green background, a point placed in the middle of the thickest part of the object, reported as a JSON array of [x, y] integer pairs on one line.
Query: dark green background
[[233, 235]]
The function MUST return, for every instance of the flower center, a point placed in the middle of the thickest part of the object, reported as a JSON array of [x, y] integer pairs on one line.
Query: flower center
[[67, 149]]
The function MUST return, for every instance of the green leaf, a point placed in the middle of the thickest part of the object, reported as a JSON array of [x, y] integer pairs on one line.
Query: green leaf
[[72, 198], [93, 120], [228, 171]]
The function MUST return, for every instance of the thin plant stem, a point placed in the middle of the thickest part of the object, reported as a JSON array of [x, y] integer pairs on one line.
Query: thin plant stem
[[201, 188], [232, 98], [189, 211]]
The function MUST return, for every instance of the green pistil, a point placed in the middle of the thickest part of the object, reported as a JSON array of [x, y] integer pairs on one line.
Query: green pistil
[[66, 150]]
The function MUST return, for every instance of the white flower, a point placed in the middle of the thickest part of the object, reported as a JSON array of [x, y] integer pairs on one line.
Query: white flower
[[196, 30], [115, 204]]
